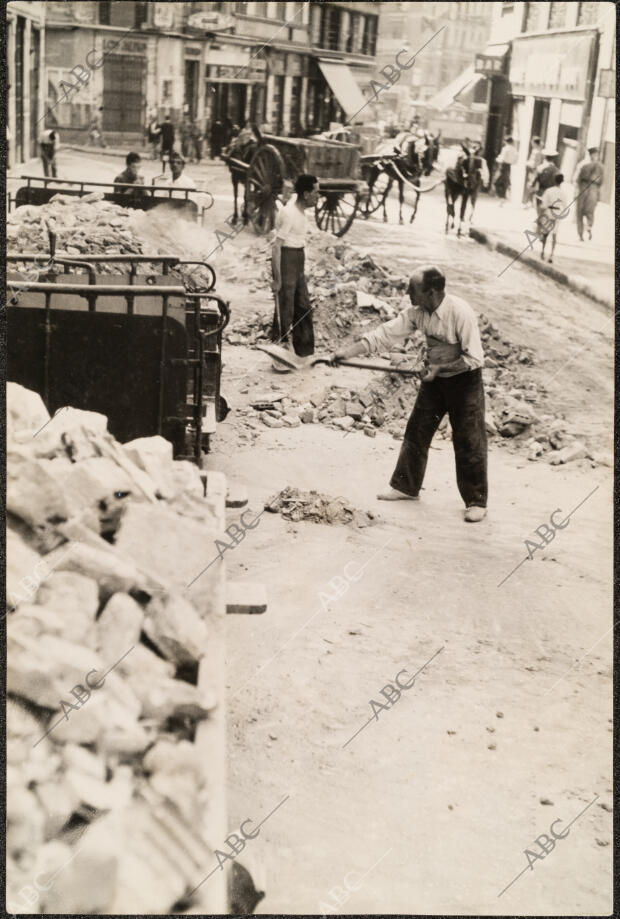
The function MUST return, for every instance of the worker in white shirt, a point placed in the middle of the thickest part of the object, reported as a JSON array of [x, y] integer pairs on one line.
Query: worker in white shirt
[[507, 158], [178, 179], [48, 145], [452, 383], [292, 324]]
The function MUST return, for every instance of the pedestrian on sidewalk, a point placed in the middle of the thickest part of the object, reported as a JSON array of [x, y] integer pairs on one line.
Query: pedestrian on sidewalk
[[552, 209], [589, 179], [48, 145], [196, 138], [534, 161], [506, 159], [452, 384], [292, 321], [154, 136], [95, 136], [167, 141]]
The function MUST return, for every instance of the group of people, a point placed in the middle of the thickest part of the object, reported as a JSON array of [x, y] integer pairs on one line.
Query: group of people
[[130, 181], [191, 137], [544, 187], [452, 381]]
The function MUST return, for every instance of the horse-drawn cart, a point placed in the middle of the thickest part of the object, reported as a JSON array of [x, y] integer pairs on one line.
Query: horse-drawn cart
[[262, 162]]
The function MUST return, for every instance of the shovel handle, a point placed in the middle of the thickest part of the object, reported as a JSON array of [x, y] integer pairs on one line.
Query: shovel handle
[[365, 366]]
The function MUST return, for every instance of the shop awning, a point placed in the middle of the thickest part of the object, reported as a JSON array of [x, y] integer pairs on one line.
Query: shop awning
[[343, 85], [450, 93]]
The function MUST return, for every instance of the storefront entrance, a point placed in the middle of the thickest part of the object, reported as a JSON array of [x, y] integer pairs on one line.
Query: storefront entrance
[[123, 93]]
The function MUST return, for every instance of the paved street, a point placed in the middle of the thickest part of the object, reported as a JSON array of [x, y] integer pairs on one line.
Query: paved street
[[508, 728]]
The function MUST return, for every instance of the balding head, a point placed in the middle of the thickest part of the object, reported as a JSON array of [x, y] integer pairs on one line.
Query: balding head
[[426, 287]]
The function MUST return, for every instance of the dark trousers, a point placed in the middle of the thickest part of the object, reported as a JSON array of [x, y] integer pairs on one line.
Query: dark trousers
[[295, 312], [48, 156], [462, 397]]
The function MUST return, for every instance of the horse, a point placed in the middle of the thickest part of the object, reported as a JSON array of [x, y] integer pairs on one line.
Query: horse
[[402, 164], [242, 148], [463, 181]]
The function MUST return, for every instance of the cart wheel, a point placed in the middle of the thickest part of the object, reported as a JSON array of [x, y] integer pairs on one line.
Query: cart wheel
[[264, 183], [335, 211], [377, 192]]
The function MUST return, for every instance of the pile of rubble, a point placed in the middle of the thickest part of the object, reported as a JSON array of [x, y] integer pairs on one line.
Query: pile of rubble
[[350, 293], [104, 806], [297, 505], [91, 226]]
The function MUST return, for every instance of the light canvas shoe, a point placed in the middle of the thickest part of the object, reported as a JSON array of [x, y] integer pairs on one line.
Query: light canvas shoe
[[475, 514], [392, 494]]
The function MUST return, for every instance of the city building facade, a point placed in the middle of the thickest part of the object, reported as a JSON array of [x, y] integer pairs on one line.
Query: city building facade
[[25, 38], [441, 91], [291, 67], [561, 82]]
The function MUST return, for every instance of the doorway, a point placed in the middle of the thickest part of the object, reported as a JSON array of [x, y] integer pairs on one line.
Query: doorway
[[540, 119]]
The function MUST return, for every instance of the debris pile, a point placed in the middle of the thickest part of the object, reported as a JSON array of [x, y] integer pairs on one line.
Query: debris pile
[[102, 541], [351, 293], [297, 505], [91, 226]]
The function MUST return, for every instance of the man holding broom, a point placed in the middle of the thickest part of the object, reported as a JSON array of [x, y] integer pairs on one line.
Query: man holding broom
[[452, 383]]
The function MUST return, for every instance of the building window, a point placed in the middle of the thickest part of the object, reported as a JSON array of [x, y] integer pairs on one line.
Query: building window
[[557, 15], [281, 11], [588, 13], [241, 8], [315, 25], [369, 40], [533, 17], [120, 13], [357, 25], [507, 9]]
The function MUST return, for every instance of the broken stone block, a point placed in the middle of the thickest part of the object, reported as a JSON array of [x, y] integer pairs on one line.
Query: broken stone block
[[26, 412], [154, 456], [166, 698], [109, 567], [567, 454], [370, 431], [24, 570], [74, 596], [271, 422], [170, 756], [176, 629], [119, 626], [58, 801], [291, 421], [345, 423], [33, 494], [95, 479], [245, 597], [307, 416], [99, 794], [354, 409]]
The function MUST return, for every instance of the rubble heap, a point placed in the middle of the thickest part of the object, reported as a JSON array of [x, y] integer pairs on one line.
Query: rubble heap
[[102, 541], [297, 505], [90, 225], [351, 292]]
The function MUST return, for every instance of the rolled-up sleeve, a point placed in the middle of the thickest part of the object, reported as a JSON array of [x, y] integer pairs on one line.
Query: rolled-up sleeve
[[469, 339], [392, 332]]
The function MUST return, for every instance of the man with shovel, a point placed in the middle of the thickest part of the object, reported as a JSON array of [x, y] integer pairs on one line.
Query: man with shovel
[[292, 322], [452, 383]]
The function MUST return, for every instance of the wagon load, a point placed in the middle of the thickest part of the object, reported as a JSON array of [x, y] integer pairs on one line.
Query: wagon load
[[263, 162]]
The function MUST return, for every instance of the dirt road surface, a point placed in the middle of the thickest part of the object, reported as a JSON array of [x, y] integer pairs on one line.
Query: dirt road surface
[[508, 728]]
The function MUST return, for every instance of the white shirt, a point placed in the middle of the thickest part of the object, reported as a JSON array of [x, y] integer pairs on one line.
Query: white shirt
[[291, 225], [182, 183], [553, 205], [509, 155], [451, 332]]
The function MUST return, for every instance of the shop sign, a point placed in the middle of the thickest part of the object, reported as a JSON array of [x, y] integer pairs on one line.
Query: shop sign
[[192, 52], [277, 64], [210, 21], [551, 66], [489, 65], [163, 16], [607, 84], [254, 72], [128, 46]]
